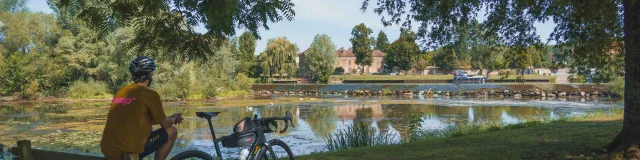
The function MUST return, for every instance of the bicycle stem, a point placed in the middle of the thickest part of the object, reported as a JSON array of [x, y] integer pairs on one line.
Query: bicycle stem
[[213, 133]]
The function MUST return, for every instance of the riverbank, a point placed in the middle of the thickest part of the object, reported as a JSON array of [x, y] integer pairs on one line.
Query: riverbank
[[581, 138]]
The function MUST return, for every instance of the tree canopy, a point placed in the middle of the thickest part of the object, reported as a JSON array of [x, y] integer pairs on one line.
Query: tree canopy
[[361, 43], [403, 51], [247, 47], [593, 29], [171, 23], [320, 58], [279, 57]]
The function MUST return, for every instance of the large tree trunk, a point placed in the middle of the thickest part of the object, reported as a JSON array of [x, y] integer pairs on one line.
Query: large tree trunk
[[628, 140]]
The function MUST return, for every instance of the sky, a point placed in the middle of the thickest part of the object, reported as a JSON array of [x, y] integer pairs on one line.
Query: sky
[[335, 18]]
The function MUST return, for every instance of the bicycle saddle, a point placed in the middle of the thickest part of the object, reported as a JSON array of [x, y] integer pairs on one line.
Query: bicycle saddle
[[207, 115]]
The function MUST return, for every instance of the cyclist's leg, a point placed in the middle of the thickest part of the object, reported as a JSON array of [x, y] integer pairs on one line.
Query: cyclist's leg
[[158, 139], [165, 149]]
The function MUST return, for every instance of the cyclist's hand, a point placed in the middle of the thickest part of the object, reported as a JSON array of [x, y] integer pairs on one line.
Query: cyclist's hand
[[177, 118]]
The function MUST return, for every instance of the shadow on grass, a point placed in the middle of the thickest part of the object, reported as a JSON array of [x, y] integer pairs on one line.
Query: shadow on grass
[[555, 140]]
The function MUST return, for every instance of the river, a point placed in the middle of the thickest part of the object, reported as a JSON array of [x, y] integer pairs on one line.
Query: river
[[77, 126]]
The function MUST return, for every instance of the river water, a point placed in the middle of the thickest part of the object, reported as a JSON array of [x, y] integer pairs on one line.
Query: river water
[[77, 126]]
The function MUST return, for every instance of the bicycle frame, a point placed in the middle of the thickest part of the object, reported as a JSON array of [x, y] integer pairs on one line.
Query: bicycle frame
[[259, 142]]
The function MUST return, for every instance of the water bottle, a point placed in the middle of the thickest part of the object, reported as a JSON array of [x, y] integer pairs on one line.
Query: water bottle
[[243, 154]]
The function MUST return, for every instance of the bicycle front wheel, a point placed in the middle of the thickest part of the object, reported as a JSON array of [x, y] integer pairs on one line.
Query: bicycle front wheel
[[192, 155], [276, 150]]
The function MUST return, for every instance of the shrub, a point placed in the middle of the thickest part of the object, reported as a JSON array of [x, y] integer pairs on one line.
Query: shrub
[[617, 86], [88, 90], [338, 71], [577, 79], [386, 91], [243, 82], [553, 79]]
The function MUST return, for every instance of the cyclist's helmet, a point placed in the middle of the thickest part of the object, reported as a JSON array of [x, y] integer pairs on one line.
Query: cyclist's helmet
[[140, 67]]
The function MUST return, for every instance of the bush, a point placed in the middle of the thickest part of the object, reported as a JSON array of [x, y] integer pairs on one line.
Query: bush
[[243, 82], [553, 79], [338, 71], [169, 91], [617, 86], [386, 91], [89, 90], [577, 79]]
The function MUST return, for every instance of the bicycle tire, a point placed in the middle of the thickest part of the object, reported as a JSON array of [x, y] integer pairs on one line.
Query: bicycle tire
[[192, 154], [262, 155]]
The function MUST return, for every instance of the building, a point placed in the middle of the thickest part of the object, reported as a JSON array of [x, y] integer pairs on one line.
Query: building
[[347, 60]]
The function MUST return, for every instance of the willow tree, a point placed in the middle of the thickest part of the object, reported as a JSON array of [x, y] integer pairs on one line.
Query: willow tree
[[279, 57], [171, 23], [592, 28]]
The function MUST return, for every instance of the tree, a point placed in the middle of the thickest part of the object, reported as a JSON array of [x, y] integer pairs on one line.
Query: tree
[[423, 60], [591, 31], [446, 58], [361, 43], [13, 6], [279, 57], [247, 49], [320, 58], [171, 23], [382, 43], [405, 50]]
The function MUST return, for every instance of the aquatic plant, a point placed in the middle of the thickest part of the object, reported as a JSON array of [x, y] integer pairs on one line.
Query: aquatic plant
[[358, 135]]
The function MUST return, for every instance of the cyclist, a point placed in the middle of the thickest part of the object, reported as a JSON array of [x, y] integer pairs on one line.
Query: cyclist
[[133, 110]]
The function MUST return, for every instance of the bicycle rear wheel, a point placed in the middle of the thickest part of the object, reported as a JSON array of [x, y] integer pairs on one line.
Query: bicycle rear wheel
[[192, 155], [276, 150]]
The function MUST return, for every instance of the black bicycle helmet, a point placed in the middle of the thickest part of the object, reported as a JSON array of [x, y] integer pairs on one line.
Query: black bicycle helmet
[[140, 67]]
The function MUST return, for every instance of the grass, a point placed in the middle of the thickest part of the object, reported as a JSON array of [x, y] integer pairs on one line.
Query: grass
[[424, 77], [358, 135], [397, 77], [561, 138], [527, 76]]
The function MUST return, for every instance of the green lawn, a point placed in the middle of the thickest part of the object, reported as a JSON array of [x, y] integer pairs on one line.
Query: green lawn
[[556, 140], [423, 77], [390, 77]]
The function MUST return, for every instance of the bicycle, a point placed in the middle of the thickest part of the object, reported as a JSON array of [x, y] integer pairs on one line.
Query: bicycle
[[260, 148]]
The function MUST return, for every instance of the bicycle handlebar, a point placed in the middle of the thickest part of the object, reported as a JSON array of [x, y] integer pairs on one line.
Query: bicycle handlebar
[[286, 119]]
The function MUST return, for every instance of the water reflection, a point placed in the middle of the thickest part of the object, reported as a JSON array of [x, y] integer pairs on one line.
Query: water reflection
[[314, 121]]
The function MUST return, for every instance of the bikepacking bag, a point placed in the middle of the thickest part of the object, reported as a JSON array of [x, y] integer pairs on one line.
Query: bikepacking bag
[[242, 134]]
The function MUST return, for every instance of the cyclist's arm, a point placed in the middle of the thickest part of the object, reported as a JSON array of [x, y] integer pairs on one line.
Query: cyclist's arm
[[168, 122], [157, 112]]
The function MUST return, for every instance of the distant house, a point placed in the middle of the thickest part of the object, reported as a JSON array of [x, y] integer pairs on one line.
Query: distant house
[[347, 60]]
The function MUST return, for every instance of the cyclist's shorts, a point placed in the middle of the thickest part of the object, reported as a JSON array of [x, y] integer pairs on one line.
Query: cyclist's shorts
[[156, 139]]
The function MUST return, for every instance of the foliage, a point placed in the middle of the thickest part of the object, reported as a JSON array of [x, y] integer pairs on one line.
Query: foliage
[[247, 47], [88, 90], [423, 60], [171, 23], [404, 51], [13, 6], [446, 58], [577, 79], [358, 135], [279, 58], [617, 86], [243, 82], [553, 79], [361, 43], [506, 72], [338, 71], [382, 42], [320, 58]]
